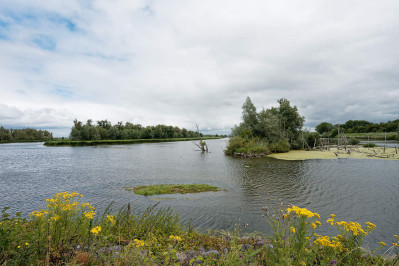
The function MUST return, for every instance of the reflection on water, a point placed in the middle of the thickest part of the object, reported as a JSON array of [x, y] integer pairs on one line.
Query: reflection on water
[[356, 190]]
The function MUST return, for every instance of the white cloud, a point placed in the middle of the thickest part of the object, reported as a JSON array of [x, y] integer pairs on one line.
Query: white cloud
[[194, 62]]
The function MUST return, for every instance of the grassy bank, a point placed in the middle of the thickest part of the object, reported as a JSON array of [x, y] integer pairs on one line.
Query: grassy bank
[[69, 231], [171, 189], [373, 135], [117, 142]]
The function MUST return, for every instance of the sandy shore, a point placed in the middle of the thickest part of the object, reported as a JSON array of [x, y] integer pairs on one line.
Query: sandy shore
[[355, 152]]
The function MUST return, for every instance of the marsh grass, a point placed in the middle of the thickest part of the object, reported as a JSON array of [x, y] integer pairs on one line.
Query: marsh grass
[[171, 189]]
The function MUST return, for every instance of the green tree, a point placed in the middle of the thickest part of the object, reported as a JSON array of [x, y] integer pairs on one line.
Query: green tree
[[249, 115], [290, 120], [324, 127], [268, 126]]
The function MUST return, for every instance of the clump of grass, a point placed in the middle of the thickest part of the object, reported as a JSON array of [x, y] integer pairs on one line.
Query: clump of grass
[[171, 189], [369, 145]]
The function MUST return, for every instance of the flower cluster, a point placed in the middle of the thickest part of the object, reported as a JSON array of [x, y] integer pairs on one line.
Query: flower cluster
[[64, 204], [353, 228], [138, 243], [177, 238], [96, 230], [326, 242], [396, 244], [302, 212], [111, 219]]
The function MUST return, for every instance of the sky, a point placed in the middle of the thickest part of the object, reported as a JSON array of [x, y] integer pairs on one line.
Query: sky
[[188, 63]]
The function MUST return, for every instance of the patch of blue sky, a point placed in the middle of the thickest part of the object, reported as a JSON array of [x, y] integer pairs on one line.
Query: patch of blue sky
[[4, 29], [60, 20], [45, 42], [3, 35], [30, 16], [63, 92]]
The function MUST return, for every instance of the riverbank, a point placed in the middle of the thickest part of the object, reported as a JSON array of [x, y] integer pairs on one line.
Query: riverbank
[[354, 152], [69, 231], [118, 142]]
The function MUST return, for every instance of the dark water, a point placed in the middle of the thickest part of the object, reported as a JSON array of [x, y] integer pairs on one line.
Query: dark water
[[356, 190]]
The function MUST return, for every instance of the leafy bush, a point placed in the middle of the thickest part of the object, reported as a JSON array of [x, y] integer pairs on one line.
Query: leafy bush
[[234, 144], [354, 141], [369, 145], [280, 146]]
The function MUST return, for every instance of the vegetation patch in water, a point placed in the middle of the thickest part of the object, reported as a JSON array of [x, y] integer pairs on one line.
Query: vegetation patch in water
[[171, 189]]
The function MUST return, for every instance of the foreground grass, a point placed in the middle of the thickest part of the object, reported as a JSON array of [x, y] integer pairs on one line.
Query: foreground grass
[[117, 142], [171, 189], [69, 231]]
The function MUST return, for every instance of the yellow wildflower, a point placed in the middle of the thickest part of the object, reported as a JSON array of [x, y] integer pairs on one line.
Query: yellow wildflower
[[55, 218], [314, 225], [318, 223], [138, 243], [96, 230], [395, 244], [292, 230], [19, 247], [302, 212], [89, 215], [26, 244], [382, 243], [370, 226], [111, 219], [172, 237]]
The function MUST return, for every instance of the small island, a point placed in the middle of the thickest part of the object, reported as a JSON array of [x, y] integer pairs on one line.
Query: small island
[[151, 190]]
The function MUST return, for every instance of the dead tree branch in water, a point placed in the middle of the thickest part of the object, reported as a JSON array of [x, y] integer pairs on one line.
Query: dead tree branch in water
[[201, 144]]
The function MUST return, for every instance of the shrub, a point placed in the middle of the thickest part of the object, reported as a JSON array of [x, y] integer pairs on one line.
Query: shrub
[[280, 146], [235, 143], [369, 145], [354, 141]]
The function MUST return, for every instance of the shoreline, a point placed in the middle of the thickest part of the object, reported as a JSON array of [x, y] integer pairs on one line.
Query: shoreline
[[77, 143]]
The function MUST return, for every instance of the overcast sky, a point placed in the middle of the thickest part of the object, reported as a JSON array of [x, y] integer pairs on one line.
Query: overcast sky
[[194, 62]]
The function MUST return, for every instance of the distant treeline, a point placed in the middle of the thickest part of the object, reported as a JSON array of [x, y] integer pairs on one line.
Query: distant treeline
[[104, 130], [358, 126], [24, 135]]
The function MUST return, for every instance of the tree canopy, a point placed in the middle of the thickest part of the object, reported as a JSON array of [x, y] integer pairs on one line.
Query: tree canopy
[[277, 123], [359, 126], [104, 130], [24, 135]]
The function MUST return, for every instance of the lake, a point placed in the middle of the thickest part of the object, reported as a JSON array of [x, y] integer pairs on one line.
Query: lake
[[354, 190]]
